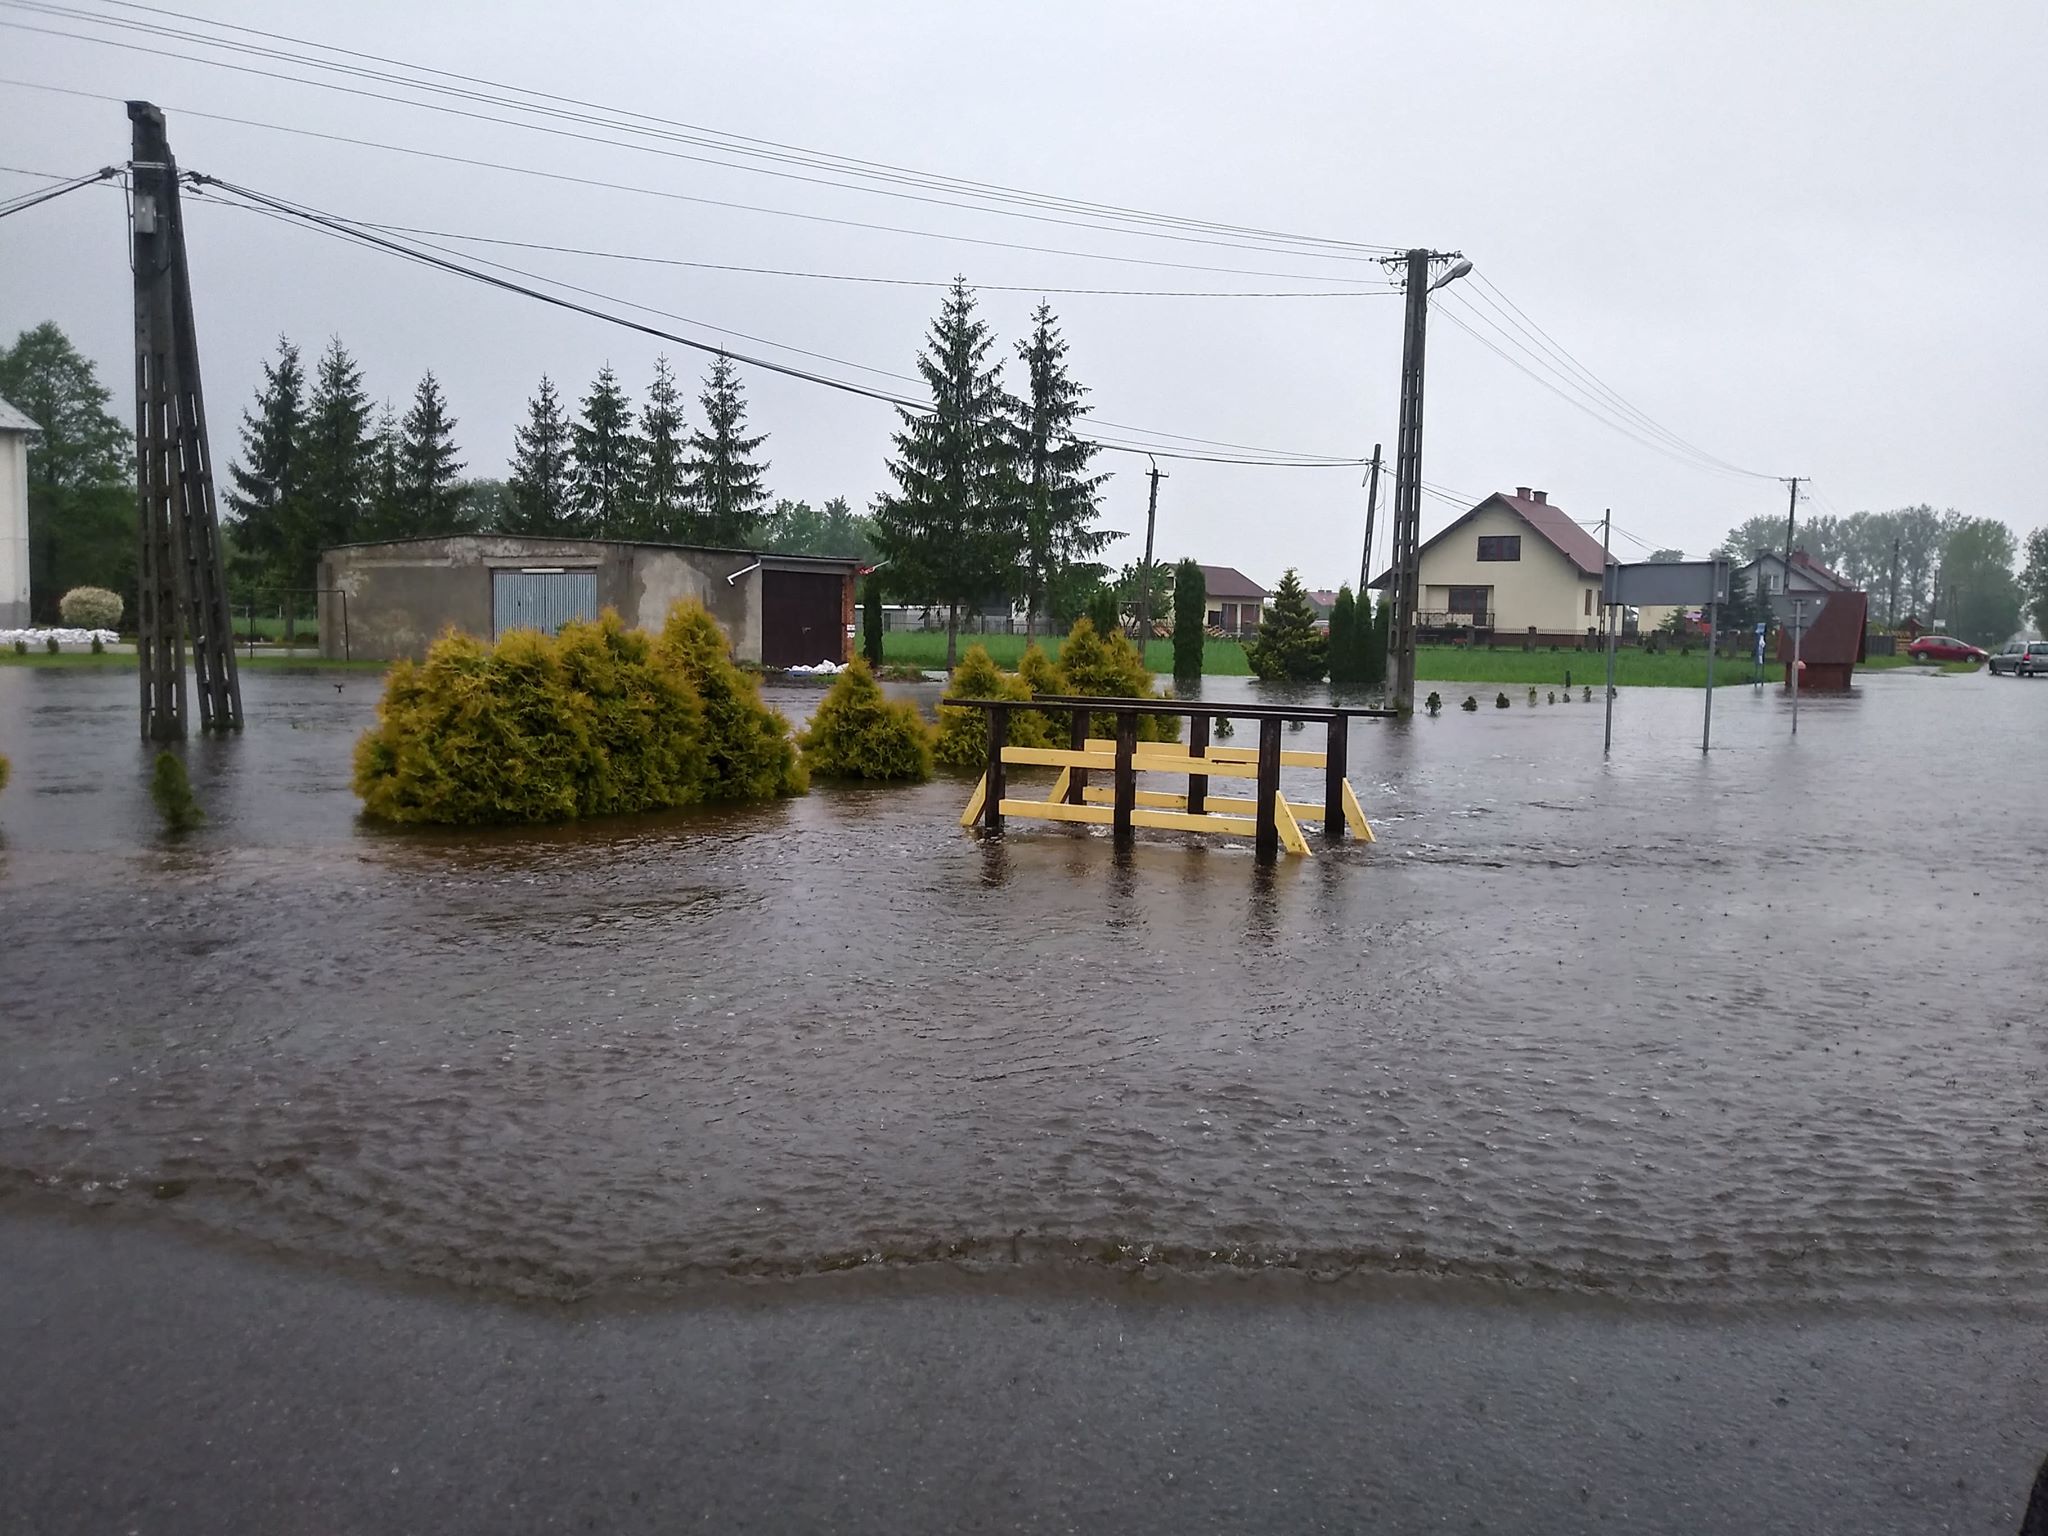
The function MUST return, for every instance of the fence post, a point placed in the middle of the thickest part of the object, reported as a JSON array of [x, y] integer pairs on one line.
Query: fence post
[[1126, 771], [998, 738], [1266, 826], [1335, 750], [1198, 746], [1077, 741]]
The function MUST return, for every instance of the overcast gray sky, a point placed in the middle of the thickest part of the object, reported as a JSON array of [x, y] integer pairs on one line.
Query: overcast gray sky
[[1795, 235]]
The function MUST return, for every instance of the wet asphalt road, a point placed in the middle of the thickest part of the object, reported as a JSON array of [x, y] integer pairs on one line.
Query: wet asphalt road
[[156, 1386]]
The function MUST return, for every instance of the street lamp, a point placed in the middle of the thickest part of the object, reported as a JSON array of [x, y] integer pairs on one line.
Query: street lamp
[[1408, 460]]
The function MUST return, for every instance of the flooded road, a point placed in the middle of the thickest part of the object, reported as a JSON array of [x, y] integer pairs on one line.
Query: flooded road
[[1762, 1026]]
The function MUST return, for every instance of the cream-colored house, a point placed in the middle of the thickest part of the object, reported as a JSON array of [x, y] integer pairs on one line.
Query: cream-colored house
[[1511, 565], [16, 428]]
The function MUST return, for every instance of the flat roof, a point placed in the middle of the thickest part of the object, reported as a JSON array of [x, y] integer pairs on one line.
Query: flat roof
[[765, 556]]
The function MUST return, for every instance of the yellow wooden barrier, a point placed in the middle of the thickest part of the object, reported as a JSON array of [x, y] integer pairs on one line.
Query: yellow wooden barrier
[[1228, 815]]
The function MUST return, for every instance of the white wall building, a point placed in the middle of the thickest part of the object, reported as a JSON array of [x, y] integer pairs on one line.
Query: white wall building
[[15, 431]]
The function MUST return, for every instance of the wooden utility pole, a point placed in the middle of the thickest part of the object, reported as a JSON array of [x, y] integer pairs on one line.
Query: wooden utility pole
[[1145, 570], [1372, 500], [182, 578]]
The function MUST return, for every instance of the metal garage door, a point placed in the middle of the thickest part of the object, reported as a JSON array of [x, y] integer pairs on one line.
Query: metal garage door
[[802, 618], [542, 600]]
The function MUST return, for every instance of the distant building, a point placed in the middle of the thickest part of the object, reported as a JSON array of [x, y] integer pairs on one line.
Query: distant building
[[386, 600], [16, 428], [1512, 567], [1236, 602], [1324, 601]]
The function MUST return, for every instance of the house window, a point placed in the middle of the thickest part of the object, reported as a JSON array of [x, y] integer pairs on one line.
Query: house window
[[1500, 546], [1471, 605], [1215, 619], [1589, 602]]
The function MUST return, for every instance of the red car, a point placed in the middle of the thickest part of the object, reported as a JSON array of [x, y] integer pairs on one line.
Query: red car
[[1945, 648]]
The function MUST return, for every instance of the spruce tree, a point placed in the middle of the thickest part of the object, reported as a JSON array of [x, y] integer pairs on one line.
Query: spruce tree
[[1059, 495], [605, 461], [263, 479], [336, 465], [1288, 648], [1104, 612], [1345, 653], [384, 511], [1190, 620], [663, 510], [431, 498], [537, 492], [724, 483], [951, 528]]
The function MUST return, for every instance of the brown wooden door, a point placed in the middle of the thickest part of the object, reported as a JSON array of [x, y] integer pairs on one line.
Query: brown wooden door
[[802, 618]]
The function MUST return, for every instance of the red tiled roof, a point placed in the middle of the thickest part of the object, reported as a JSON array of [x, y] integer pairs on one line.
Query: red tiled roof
[[1548, 519], [1231, 584]]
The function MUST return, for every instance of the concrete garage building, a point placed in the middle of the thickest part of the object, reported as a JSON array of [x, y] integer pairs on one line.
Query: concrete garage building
[[384, 601]]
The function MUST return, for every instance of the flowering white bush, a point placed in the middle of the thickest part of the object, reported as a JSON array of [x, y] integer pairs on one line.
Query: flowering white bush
[[91, 607], [38, 638]]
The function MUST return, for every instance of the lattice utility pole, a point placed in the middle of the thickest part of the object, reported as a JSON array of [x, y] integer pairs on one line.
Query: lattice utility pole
[[183, 581]]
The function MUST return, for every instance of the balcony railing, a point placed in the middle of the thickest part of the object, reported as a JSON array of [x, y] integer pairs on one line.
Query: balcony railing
[[1439, 618]]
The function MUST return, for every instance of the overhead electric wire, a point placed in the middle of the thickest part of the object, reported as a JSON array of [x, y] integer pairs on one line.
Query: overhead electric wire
[[29, 200], [340, 228], [672, 196], [1125, 227], [893, 282], [698, 134]]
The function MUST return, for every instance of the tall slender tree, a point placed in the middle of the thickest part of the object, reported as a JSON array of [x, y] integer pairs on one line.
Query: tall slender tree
[[538, 491], [1190, 617], [663, 510], [1059, 494], [335, 468], [1344, 650], [606, 459], [384, 511], [429, 473], [81, 470], [261, 492], [726, 490], [952, 528]]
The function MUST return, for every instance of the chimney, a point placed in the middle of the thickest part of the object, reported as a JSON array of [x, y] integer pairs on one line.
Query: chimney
[[1522, 491], [1542, 496]]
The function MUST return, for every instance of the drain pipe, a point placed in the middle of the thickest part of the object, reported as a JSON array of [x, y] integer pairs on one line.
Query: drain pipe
[[736, 575]]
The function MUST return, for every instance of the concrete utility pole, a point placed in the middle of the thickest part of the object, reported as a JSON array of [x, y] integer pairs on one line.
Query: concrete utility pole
[[1607, 618], [1145, 570], [1891, 607], [1372, 499], [182, 581], [1408, 461]]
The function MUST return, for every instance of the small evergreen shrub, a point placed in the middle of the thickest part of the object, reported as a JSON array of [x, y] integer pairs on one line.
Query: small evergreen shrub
[[21, 647], [752, 757], [50, 644], [1500, 700], [6, 772], [91, 608], [963, 733], [1470, 702], [1096, 666], [172, 791], [99, 646], [858, 734], [1104, 612], [645, 723], [1041, 674], [1434, 702]]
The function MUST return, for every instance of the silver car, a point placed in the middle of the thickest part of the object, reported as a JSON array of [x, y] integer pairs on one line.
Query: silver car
[[2023, 658]]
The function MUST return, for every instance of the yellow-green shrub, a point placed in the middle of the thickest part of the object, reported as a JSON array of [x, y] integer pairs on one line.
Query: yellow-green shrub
[[963, 733], [858, 734], [598, 720], [1096, 666], [1041, 674], [752, 757], [6, 772]]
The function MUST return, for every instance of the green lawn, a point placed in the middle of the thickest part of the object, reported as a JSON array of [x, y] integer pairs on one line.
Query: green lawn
[[1632, 668], [910, 647]]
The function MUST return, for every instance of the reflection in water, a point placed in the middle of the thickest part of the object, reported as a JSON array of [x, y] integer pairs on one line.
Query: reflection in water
[[1747, 1026]]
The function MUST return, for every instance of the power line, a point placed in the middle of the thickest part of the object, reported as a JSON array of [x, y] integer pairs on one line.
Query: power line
[[29, 200], [1490, 293], [688, 132], [672, 196], [428, 257], [848, 277], [1125, 225]]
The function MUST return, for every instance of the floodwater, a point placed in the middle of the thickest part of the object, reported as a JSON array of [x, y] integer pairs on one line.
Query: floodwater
[[1762, 1025]]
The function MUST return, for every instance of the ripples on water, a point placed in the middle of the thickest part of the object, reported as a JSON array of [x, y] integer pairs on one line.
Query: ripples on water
[[1764, 1026]]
